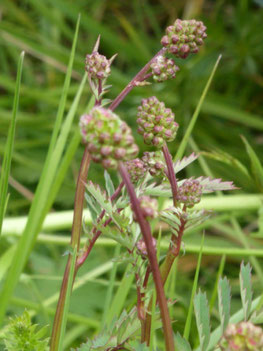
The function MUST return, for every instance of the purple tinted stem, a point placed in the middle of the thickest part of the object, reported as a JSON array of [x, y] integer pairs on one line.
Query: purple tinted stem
[[171, 174], [138, 78], [147, 236]]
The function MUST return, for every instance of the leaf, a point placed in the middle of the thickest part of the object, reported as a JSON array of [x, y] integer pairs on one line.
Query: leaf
[[246, 288], [224, 300], [202, 319], [181, 344], [6, 165], [256, 166], [181, 164], [197, 217], [100, 196], [92, 207], [109, 184], [172, 216], [209, 185]]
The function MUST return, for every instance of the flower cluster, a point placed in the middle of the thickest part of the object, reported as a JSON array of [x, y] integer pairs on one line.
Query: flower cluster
[[97, 66], [154, 163], [156, 122], [184, 37], [190, 192], [149, 207], [136, 169], [163, 69], [109, 138], [244, 336]]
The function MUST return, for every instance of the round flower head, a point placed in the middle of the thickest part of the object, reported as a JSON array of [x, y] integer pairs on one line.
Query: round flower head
[[156, 122], [109, 138], [163, 69], [154, 163], [97, 66], [243, 336], [190, 192], [184, 37], [149, 207], [136, 169]]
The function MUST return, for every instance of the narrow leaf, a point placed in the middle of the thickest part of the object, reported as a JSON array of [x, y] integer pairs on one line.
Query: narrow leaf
[[109, 184], [188, 322], [224, 299], [246, 288], [10, 145], [256, 166], [191, 125], [187, 160], [202, 319]]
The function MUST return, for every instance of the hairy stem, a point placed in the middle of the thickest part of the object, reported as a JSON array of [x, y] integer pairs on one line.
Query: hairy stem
[[138, 78], [170, 171], [165, 269], [147, 236]]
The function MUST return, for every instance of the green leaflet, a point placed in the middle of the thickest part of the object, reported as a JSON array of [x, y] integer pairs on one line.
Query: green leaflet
[[224, 300], [246, 288], [202, 319], [181, 344]]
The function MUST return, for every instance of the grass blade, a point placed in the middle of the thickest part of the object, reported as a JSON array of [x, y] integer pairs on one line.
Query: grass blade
[[10, 145], [188, 132], [37, 210], [188, 322], [256, 166]]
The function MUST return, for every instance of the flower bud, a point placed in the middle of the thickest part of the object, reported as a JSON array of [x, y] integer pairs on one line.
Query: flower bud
[[97, 66], [190, 192], [136, 169], [149, 207], [184, 37], [154, 164], [141, 247], [243, 336], [156, 122], [163, 69], [109, 138]]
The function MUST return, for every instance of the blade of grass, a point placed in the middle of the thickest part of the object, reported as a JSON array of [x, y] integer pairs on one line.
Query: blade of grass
[[188, 322], [219, 274], [111, 285], [36, 214], [5, 172], [189, 130]]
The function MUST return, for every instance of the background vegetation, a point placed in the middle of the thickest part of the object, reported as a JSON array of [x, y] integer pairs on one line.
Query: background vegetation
[[233, 107]]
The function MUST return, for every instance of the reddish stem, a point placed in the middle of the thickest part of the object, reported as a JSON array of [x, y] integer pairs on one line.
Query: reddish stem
[[75, 240], [139, 76], [147, 236], [171, 174]]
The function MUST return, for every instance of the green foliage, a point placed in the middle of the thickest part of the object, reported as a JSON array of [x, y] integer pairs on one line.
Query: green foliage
[[246, 288], [21, 335], [181, 344], [202, 319], [224, 302]]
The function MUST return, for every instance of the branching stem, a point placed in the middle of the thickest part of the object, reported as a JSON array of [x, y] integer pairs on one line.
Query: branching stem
[[147, 236]]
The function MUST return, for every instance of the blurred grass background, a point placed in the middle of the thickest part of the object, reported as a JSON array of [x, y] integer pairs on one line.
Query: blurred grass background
[[233, 107]]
